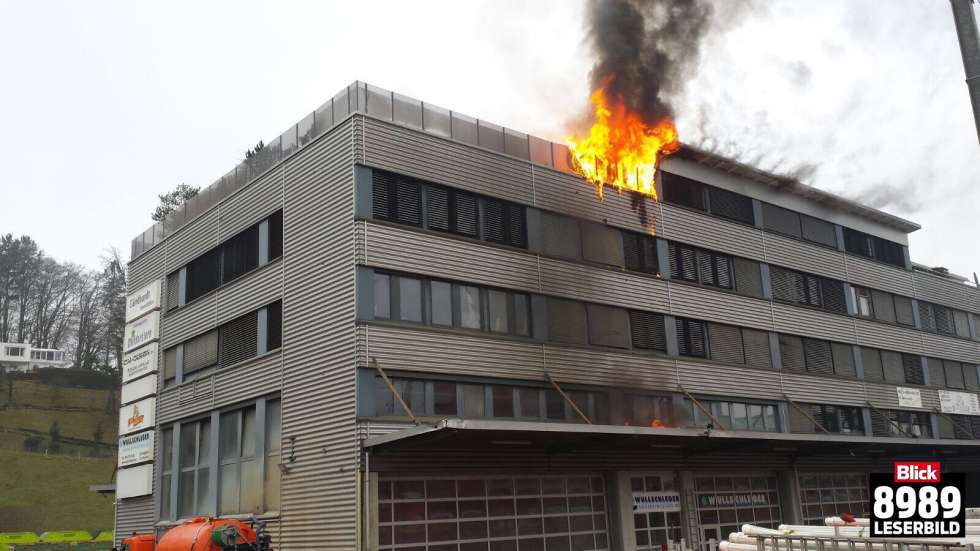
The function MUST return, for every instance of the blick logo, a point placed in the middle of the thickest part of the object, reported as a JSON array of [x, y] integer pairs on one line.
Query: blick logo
[[917, 471]]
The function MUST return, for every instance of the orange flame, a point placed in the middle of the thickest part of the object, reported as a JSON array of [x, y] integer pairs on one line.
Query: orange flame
[[621, 150]]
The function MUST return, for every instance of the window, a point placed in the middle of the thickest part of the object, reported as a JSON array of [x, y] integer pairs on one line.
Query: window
[[650, 411], [819, 231], [957, 427], [273, 454], [945, 321], [470, 313], [203, 274], [441, 296], [869, 246], [240, 254], [382, 296], [498, 311], [194, 463], [640, 252], [807, 289], [748, 277], [762, 417], [831, 494], [239, 475], [409, 299], [901, 424], [166, 472], [700, 266], [780, 220], [397, 198], [730, 205], [567, 321], [201, 352], [835, 419], [15, 351], [816, 356], [647, 331], [503, 223], [682, 191], [608, 326], [690, 338], [892, 367], [238, 339], [452, 211]]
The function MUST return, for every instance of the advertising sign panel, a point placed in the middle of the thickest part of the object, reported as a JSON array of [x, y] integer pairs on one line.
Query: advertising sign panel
[[143, 300], [138, 389], [909, 397], [136, 448], [962, 403], [134, 481], [142, 331], [141, 361], [137, 416]]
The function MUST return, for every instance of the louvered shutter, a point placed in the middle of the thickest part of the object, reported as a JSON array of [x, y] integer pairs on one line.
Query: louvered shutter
[[962, 325], [493, 221], [912, 365], [783, 284], [880, 426], [756, 344], [817, 357], [466, 214], [871, 362], [170, 363], [954, 374], [274, 325], [856, 242], [239, 339], [201, 352], [682, 263], [517, 233], [781, 220], [730, 205], [813, 286], [884, 306], [970, 377], [173, 290], [240, 254], [408, 202], [706, 273], [647, 331], [892, 367], [382, 184], [632, 252], [824, 416], [903, 310], [682, 191], [690, 338], [889, 251], [437, 208], [203, 274], [937, 377], [944, 319], [927, 317], [748, 277], [819, 231], [843, 359], [723, 265], [791, 353], [725, 343], [833, 296]]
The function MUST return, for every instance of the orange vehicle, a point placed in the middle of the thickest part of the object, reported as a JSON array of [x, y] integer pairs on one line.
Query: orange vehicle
[[203, 534]]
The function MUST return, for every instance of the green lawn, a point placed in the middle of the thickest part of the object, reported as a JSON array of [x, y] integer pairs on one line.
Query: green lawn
[[39, 493]]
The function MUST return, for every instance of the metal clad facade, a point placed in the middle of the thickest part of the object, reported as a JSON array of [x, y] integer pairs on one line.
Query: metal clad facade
[[783, 251], [248, 206], [877, 275], [192, 240]]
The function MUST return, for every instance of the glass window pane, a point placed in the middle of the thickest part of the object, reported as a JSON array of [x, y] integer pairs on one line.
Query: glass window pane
[[442, 303], [203, 492], [444, 398], [555, 405], [228, 436], [165, 496], [272, 483], [273, 426], [382, 296], [469, 307], [503, 401], [248, 433], [530, 404], [228, 484], [410, 301], [186, 491], [498, 311], [188, 445], [771, 419], [204, 443], [522, 317], [251, 488], [168, 442], [473, 401]]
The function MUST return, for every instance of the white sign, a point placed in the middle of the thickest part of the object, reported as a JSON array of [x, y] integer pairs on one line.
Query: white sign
[[136, 448], [142, 331], [141, 361], [909, 397], [144, 300], [140, 388], [137, 416], [134, 481], [963, 403], [645, 502]]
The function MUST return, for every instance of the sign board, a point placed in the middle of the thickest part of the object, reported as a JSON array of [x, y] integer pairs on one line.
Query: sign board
[[734, 500], [142, 331], [143, 300], [141, 361], [963, 403], [647, 502], [134, 481], [917, 500], [136, 448], [140, 388], [909, 397], [137, 416]]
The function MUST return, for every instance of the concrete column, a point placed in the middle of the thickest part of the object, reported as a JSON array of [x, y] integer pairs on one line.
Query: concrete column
[[789, 492]]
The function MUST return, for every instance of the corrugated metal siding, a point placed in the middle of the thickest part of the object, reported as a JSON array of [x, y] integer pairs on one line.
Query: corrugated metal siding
[[569, 194], [250, 292], [704, 303], [801, 387], [590, 284], [892, 337], [885, 396], [812, 323], [440, 160], [728, 381], [190, 320], [950, 348], [134, 515], [878, 275], [256, 201], [147, 267], [192, 240], [784, 251], [946, 291], [711, 232], [318, 393], [367, 429]]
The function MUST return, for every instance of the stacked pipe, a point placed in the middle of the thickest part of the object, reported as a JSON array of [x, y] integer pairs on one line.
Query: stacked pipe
[[837, 534]]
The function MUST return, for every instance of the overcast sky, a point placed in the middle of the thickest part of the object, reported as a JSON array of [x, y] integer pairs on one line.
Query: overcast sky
[[106, 104]]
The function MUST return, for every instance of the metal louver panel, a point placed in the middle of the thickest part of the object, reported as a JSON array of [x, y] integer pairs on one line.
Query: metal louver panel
[[632, 252], [705, 268], [903, 310], [466, 214], [961, 324], [818, 357], [843, 359], [730, 205], [871, 362], [812, 292], [833, 296], [517, 234], [682, 191], [723, 264], [690, 338], [725, 343], [437, 208], [954, 374], [647, 330], [884, 305], [783, 284], [240, 254], [682, 263], [756, 344], [173, 290], [892, 367], [927, 317], [748, 277], [944, 320], [408, 202], [937, 378], [780, 220], [791, 352], [170, 363], [819, 231], [912, 365], [382, 182], [239, 339], [201, 352], [880, 426]]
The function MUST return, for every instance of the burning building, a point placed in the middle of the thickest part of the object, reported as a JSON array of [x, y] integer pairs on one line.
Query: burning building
[[401, 327]]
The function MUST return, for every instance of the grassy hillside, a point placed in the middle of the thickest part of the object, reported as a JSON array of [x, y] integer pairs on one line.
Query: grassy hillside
[[31, 408], [39, 493]]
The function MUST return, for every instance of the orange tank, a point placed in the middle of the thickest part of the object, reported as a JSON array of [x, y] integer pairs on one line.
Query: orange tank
[[141, 542], [207, 534]]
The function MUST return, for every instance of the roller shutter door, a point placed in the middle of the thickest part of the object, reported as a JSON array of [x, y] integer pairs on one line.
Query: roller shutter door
[[647, 331], [239, 339]]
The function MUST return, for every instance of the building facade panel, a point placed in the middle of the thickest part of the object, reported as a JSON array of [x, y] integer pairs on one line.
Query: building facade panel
[[711, 232], [886, 396], [192, 240], [892, 337], [704, 303], [424, 156], [948, 292], [877, 275], [600, 285], [147, 268], [250, 291], [608, 368], [814, 259], [190, 320], [802, 387], [255, 202], [727, 381], [800, 320], [950, 348]]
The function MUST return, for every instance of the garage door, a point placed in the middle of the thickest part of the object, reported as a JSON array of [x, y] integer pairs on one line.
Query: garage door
[[545, 513], [830, 494], [726, 502]]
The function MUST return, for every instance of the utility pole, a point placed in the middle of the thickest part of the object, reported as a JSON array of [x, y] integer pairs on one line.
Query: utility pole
[[966, 29]]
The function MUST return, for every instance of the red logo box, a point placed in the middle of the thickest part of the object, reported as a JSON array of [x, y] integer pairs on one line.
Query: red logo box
[[917, 471]]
